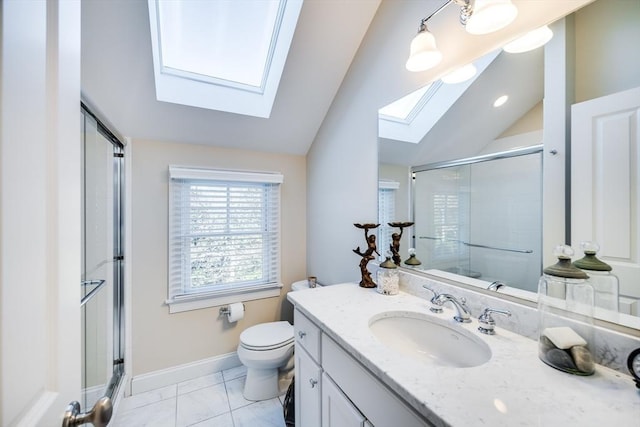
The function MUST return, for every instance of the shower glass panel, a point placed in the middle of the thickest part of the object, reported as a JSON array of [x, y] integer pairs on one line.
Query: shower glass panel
[[482, 219], [101, 277]]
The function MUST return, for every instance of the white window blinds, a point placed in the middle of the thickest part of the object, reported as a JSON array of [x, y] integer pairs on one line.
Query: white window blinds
[[224, 232], [386, 214]]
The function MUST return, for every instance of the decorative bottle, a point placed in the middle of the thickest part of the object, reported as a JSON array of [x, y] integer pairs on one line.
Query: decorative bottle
[[565, 306], [388, 277], [605, 283]]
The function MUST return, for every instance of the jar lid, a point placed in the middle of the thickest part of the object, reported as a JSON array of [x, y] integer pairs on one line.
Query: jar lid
[[590, 262], [387, 263], [564, 268]]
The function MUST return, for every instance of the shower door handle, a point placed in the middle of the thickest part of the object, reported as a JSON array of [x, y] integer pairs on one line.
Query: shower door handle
[[99, 415]]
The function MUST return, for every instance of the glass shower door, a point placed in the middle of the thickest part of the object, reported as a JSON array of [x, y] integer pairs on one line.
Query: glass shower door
[[101, 278]]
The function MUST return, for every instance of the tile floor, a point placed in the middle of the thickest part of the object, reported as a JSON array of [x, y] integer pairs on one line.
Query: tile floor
[[211, 400]]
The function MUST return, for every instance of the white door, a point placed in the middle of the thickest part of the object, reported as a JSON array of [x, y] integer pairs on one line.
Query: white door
[[40, 211], [605, 182]]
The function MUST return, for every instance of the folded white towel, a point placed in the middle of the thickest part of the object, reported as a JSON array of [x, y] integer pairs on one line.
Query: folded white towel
[[563, 337]]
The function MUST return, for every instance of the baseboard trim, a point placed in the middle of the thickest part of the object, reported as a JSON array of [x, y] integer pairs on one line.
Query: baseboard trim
[[187, 371]]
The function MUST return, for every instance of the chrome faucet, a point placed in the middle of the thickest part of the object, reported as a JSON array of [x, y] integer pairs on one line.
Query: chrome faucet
[[462, 315]]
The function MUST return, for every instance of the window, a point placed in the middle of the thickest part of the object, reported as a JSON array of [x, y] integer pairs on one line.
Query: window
[[386, 213], [224, 237]]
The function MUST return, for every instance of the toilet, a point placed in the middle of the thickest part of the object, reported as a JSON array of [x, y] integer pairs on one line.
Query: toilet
[[267, 352]]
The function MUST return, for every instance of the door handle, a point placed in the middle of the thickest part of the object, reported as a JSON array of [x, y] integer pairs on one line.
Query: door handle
[[99, 415]]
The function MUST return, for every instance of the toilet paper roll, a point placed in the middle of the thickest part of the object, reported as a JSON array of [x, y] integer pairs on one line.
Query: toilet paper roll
[[236, 312]]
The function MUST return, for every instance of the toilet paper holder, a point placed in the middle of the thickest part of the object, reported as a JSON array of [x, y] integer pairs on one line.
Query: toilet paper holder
[[226, 310]]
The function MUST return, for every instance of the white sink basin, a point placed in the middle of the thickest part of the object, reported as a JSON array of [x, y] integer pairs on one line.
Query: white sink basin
[[429, 339]]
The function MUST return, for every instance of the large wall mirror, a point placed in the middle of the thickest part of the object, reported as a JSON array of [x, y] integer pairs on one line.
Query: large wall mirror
[[471, 175]]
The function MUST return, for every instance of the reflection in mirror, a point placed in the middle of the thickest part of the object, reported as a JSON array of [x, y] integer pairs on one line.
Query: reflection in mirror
[[482, 217], [466, 125]]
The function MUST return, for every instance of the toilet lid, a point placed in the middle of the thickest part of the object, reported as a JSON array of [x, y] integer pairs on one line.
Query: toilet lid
[[267, 335]]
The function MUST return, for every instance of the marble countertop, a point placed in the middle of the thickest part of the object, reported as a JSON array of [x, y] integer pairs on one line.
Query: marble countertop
[[513, 388]]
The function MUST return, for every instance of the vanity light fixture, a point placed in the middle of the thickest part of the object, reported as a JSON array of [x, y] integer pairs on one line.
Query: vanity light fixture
[[500, 101], [489, 16], [424, 53], [459, 75], [477, 16], [531, 40]]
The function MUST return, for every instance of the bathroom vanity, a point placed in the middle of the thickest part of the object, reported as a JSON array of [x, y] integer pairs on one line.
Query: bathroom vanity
[[349, 372]]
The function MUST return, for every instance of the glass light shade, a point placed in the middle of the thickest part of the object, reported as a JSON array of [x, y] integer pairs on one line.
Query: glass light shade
[[460, 75], [491, 15], [532, 40], [423, 53]]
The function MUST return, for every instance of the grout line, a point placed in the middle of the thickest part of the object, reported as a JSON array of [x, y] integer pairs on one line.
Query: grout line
[[226, 390]]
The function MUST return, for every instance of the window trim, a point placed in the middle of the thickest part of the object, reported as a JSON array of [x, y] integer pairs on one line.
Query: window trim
[[224, 294]]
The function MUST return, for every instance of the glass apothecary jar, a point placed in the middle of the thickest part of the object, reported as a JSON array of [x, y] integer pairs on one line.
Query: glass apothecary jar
[[605, 284], [388, 278], [565, 307]]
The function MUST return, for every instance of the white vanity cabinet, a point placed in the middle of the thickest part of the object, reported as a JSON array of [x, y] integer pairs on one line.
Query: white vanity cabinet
[[308, 373], [334, 390]]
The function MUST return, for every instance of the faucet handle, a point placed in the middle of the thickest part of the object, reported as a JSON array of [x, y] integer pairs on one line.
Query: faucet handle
[[487, 324], [495, 286], [435, 294], [434, 308]]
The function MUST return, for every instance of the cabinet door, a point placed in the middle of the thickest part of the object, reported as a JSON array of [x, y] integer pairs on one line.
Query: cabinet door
[[308, 390], [337, 409]]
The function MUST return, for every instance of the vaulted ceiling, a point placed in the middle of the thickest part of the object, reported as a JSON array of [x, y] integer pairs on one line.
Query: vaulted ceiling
[[118, 75], [117, 78]]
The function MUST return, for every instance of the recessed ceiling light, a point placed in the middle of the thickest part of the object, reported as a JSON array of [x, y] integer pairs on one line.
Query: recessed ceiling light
[[500, 101]]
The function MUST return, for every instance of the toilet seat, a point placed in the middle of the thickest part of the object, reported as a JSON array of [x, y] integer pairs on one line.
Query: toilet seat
[[267, 336]]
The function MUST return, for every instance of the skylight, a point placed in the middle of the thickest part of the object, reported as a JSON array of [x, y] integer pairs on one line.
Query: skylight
[[221, 55], [411, 117], [401, 109]]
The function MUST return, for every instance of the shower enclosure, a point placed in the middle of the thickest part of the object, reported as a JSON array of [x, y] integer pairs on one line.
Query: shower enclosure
[[481, 217], [102, 261]]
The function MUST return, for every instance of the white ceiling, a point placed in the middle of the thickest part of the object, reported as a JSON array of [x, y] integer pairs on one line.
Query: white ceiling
[[117, 78]]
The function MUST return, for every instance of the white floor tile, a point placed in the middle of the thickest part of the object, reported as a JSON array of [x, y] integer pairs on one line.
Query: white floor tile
[[201, 382], [201, 405], [201, 402], [267, 413], [159, 414], [235, 388], [146, 398], [223, 420], [233, 373]]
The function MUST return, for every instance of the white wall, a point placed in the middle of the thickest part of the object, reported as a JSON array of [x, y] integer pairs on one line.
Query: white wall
[[162, 340], [342, 163], [607, 60]]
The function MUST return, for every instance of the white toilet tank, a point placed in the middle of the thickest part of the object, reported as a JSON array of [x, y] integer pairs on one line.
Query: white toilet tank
[[301, 285]]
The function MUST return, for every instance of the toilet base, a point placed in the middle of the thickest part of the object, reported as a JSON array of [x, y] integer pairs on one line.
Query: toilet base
[[261, 384]]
